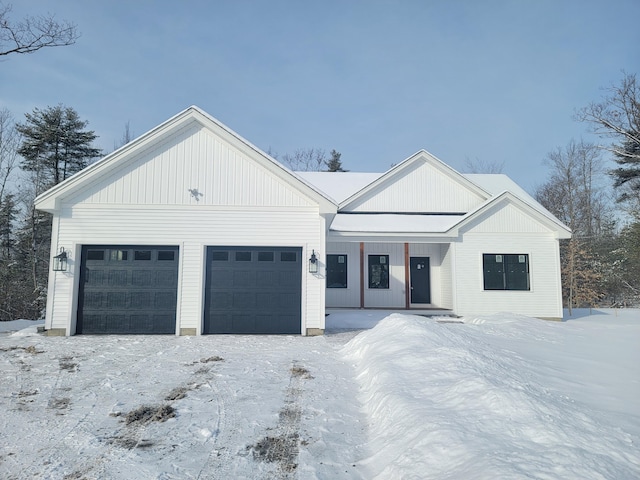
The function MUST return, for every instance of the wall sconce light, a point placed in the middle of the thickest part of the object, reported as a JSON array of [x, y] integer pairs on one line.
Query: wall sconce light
[[60, 261], [313, 262]]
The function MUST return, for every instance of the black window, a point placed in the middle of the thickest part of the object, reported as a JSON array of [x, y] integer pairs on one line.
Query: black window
[[265, 256], [506, 272], [142, 255], [219, 256], [378, 271], [243, 256], [288, 257], [166, 255], [95, 255], [336, 271]]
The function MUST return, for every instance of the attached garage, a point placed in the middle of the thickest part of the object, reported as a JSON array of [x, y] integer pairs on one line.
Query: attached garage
[[188, 229], [253, 290], [128, 289]]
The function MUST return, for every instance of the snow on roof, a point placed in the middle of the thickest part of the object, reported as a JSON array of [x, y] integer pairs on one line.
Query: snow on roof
[[339, 185], [393, 223]]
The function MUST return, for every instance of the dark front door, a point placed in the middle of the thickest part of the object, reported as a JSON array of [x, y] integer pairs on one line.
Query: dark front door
[[128, 289], [420, 280], [253, 290]]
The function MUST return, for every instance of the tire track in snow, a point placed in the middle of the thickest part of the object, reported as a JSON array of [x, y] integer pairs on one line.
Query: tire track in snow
[[282, 448], [217, 465]]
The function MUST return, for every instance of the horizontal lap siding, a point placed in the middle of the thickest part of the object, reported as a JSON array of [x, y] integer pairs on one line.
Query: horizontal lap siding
[[190, 228], [543, 300]]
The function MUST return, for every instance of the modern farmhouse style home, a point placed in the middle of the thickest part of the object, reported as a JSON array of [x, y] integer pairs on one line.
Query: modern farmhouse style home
[[191, 230]]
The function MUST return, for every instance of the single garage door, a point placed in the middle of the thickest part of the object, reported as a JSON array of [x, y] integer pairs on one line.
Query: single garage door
[[253, 290], [128, 289]]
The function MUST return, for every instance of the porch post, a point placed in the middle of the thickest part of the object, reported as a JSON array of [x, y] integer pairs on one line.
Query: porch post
[[407, 286], [361, 274]]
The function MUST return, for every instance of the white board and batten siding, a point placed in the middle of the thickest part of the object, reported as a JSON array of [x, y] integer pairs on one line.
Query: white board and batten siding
[[192, 191], [421, 188], [346, 297]]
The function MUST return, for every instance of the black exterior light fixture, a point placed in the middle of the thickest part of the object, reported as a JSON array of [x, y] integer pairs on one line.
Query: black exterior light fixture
[[313, 262], [60, 261]]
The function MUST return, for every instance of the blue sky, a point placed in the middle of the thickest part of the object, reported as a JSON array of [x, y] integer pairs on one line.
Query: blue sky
[[494, 80]]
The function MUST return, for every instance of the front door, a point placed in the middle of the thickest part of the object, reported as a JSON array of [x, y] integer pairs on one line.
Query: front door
[[420, 280]]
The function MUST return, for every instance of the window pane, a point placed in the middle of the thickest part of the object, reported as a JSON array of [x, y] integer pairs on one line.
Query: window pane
[[265, 256], [336, 271], [378, 271], [95, 255], [142, 255], [118, 255], [517, 272], [166, 255], [243, 256], [288, 257], [219, 256], [493, 272]]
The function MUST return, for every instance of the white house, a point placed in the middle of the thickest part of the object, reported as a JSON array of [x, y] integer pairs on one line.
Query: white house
[[190, 230]]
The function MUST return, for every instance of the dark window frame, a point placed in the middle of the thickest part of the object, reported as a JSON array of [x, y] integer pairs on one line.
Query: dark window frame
[[506, 272], [337, 272], [378, 272]]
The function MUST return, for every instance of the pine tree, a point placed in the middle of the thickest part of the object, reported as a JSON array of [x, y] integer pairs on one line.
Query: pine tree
[[55, 145], [334, 164]]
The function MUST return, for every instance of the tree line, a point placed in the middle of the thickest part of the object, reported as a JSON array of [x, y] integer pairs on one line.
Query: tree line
[[601, 205]]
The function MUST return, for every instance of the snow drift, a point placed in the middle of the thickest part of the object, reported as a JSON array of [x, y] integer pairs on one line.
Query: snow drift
[[447, 401]]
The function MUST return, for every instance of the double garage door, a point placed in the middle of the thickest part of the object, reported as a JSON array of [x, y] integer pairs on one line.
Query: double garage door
[[133, 290]]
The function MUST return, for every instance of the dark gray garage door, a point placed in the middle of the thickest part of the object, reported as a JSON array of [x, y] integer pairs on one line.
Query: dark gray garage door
[[128, 289], [253, 290]]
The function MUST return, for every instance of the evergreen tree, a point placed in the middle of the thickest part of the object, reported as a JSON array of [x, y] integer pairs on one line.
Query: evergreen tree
[[334, 164], [55, 145]]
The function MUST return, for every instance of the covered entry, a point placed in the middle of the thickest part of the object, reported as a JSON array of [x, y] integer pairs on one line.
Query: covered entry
[[128, 289], [253, 290]]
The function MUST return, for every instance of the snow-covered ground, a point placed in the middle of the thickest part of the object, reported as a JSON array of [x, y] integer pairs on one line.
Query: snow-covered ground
[[501, 396]]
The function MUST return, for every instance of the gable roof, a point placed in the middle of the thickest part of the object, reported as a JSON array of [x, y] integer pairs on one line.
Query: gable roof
[[51, 199], [399, 170]]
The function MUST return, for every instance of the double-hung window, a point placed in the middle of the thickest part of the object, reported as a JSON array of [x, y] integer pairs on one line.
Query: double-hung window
[[506, 271]]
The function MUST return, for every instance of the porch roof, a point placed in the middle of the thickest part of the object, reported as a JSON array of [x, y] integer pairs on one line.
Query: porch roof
[[393, 223]]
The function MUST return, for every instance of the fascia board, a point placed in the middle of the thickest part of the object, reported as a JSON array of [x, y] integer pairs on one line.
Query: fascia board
[[421, 155]]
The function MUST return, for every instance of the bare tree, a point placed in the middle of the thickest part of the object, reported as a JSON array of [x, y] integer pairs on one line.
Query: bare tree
[[9, 143], [304, 160], [33, 32], [575, 195], [127, 136], [617, 117], [483, 166]]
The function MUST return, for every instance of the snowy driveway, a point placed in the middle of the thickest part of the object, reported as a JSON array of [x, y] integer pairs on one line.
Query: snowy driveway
[[178, 407]]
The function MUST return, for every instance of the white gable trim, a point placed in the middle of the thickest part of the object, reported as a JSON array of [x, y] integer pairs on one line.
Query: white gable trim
[[550, 222], [421, 156], [51, 199]]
